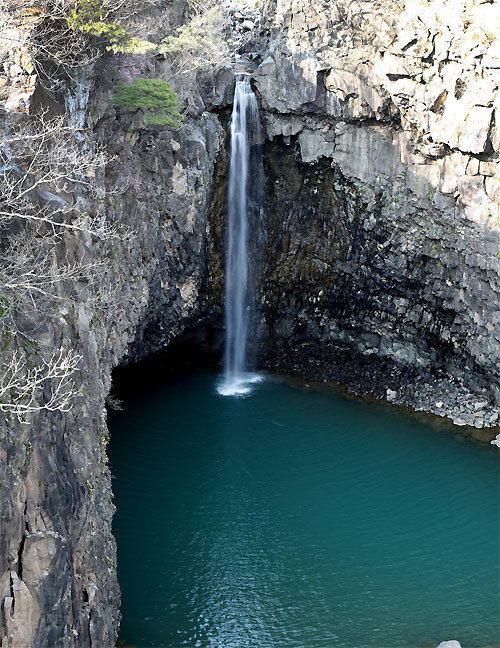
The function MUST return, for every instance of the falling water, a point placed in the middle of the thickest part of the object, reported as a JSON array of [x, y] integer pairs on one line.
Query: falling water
[[243, 177]]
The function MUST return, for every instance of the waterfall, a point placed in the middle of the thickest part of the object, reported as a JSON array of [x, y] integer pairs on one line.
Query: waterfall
[[244, 177]]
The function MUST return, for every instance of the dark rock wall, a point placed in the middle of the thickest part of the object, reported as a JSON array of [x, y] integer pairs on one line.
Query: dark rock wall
[[381, 218], [377, 257], [360, 292], [58, 585]]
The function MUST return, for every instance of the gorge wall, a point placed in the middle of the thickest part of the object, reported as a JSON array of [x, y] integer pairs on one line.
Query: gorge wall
[[58, 583], [382, 214], [378, 255]]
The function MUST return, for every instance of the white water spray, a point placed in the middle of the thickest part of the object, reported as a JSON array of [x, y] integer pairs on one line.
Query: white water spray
[[245, 129]]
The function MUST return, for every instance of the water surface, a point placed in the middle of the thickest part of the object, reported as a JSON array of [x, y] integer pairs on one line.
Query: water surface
[[294, 518]]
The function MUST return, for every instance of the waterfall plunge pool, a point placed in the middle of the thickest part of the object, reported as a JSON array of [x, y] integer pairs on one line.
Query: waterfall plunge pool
[[296, 518]]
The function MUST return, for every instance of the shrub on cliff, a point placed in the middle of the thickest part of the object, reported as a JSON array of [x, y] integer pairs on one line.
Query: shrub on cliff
[[154, 96], [90, 17], [201, 43]]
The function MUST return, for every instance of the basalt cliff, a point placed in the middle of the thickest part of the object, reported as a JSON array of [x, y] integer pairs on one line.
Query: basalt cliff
[[382, 200], [376, 253]]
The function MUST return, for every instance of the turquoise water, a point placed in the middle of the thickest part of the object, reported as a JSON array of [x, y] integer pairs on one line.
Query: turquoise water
[[296, 518]]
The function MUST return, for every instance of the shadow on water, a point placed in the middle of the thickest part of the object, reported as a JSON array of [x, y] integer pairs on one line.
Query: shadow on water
[[444, 425], [295, 517], [133, 381]]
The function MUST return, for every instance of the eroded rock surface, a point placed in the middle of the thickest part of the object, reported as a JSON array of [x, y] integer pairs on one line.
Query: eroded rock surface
[[378, 253], [383, 212], [58, 585]]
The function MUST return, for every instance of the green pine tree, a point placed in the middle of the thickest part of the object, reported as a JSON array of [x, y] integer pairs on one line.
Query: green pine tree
[[154, 96]]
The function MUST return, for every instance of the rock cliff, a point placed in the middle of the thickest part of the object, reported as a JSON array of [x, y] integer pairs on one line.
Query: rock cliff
[[58, 582], [382, 217], [377, 250]]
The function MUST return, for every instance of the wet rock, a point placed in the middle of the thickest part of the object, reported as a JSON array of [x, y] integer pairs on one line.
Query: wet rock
[[391, 395]]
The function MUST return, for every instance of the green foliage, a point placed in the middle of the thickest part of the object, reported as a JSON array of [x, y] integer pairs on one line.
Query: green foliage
[[199, 44], [152, 95], [90, 18]]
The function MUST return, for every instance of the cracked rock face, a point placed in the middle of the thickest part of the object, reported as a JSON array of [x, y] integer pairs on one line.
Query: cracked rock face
[[383, 213], [58, 582], [378, 252], [58, 585]]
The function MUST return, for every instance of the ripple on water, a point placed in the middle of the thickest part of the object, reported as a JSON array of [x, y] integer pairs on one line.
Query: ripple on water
[[297, 518]]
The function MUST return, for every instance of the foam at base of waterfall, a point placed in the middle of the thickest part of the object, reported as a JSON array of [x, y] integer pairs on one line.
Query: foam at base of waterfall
[[240, 385]]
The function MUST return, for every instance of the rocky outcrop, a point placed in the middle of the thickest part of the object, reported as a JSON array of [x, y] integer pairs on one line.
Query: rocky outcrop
[[58, 583], [57, 554], [383, 215], [377, 248]]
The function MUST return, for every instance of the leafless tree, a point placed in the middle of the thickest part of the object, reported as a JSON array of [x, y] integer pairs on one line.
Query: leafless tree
[[48, 174], [51, 180], [51, 203], [42, 29], [56, 46], [23, 388], [32, 377]]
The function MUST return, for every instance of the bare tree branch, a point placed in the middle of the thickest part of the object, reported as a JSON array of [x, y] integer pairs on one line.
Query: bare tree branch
[[48, 385], [51, 208], [203, 43], [48, 175]]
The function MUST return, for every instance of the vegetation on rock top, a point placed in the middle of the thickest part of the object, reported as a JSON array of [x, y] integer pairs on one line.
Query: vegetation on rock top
[[90, 17], [151, 95]]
